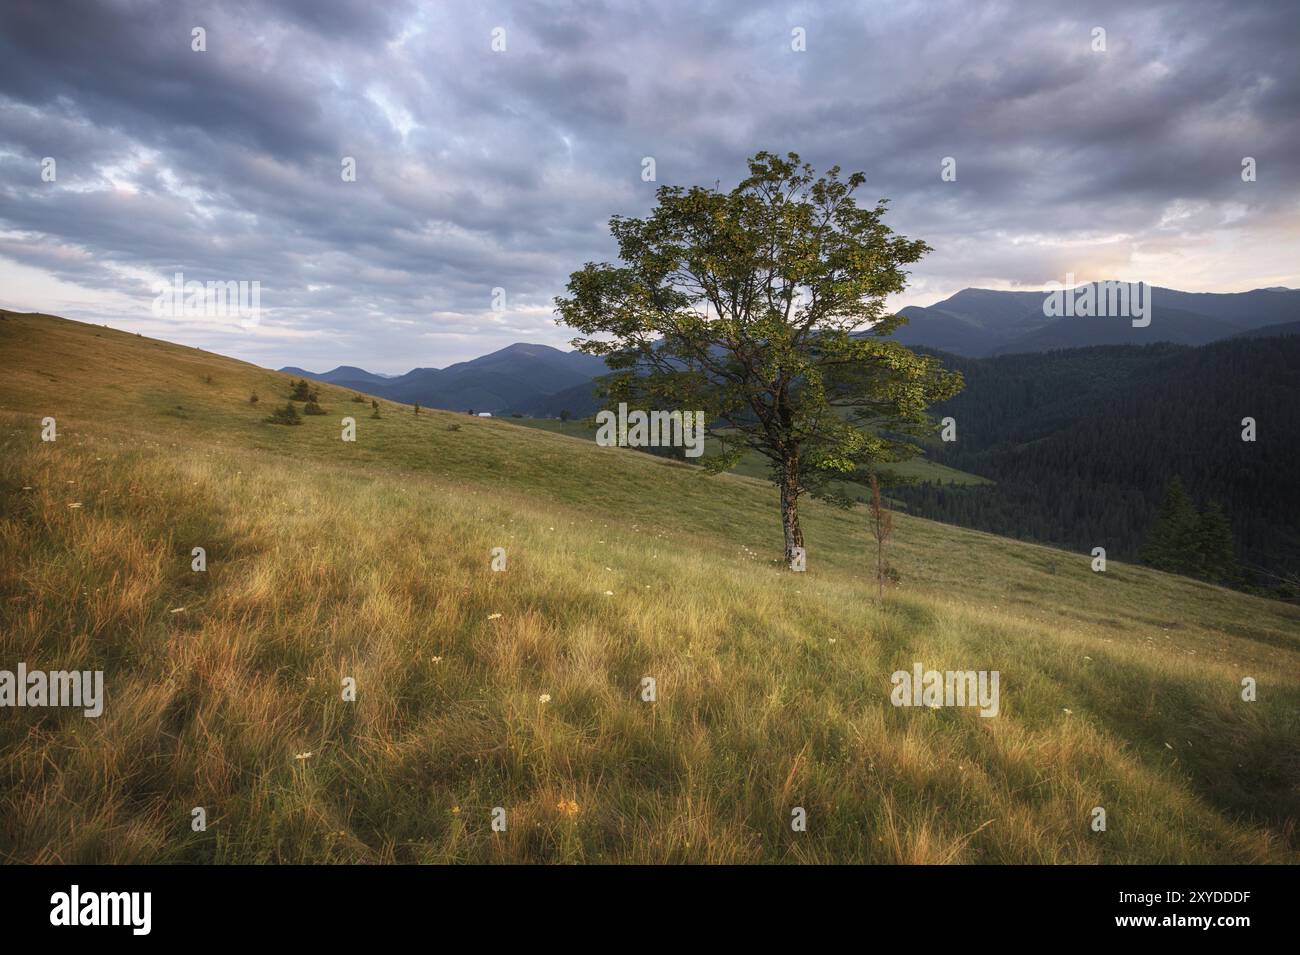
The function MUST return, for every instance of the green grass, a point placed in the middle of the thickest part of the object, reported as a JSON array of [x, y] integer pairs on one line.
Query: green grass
[[372, 561], [754, 465]]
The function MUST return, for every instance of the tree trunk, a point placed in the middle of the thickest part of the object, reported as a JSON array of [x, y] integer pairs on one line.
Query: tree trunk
[[790, 513]]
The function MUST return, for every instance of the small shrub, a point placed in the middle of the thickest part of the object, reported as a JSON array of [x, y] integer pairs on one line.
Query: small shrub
[[417, 407], [207, 379], [313, 407], [357, 399], [882, 527], [453, 427], [286, 415], [252, 399], [301, 390]]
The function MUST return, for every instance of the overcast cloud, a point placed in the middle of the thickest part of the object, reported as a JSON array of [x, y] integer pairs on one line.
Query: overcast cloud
[[479, 169]]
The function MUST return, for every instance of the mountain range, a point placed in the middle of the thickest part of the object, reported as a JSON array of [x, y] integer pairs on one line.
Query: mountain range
[[541, 381], [518, 378], [977, 323]]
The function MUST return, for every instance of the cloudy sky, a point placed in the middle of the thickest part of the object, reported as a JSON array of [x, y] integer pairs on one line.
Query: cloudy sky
[[479, 169]]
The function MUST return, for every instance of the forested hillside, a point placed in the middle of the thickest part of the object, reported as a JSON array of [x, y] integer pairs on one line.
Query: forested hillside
[[1082, 444]]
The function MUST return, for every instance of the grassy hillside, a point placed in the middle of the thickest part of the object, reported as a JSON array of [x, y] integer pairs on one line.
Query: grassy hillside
[[521, 689], [755, 465]]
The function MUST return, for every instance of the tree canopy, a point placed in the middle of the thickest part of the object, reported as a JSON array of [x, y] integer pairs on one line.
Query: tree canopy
[[764, 307]]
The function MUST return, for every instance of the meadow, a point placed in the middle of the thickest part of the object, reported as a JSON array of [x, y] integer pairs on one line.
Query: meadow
[[370, 561], [752, 464]]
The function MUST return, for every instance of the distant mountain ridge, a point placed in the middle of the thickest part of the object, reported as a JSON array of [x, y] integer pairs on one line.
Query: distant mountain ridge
[[1282, 328], [518, 378], [340, 375], [541, 381], [976, 323]]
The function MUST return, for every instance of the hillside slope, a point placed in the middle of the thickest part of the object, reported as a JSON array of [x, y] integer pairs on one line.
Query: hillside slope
[[1176, 326], [1080, 445], [522, 689]]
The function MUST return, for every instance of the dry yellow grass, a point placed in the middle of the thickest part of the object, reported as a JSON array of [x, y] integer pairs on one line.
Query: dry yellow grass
[[328, 561]]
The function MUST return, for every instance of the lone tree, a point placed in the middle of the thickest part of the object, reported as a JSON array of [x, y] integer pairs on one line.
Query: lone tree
[[765, 308]]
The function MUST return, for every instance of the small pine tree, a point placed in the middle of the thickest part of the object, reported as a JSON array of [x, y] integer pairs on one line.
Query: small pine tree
[[301, 390], [417, 407], [357, 399], [286, 415], [252, 399], [1215, 550], [313, 407], [374, 405], [1171, 544]]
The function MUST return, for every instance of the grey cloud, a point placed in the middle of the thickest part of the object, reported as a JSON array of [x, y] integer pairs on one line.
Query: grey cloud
[[478, 170]]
